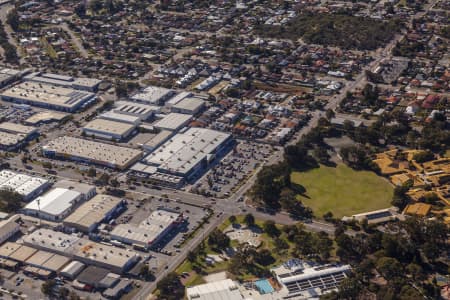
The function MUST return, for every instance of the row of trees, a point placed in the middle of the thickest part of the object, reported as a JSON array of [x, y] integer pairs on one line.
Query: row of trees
[[10, 52], [358, 157], [13, 19], [274, 190]]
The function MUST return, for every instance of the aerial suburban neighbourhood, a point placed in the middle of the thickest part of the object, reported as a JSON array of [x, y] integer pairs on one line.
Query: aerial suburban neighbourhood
[[224, 149]]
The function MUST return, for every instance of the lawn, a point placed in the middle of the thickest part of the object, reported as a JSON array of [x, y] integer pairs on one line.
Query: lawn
[[342, 190]]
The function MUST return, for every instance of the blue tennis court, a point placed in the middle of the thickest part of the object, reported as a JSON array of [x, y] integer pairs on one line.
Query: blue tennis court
[[263, 286]]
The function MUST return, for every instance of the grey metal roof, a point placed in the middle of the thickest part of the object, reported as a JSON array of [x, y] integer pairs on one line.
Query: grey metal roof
[[185, 150]]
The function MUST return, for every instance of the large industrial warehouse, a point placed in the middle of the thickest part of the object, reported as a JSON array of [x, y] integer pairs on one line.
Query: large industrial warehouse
[[27, 186], [143, 111], [190, 105], [8, 228], [92, 152], [84, 84], [109, 130], [90, 214], [37, 262], [149, 231], [55, 205], [47, 96], [11, 141], [13, 135], [18, 129], [173, 122], [118, 117], [86, 251], [189, 153], [8, 76], [87, 191]]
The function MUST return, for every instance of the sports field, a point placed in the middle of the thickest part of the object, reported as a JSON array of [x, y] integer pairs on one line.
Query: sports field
[[343, 191]]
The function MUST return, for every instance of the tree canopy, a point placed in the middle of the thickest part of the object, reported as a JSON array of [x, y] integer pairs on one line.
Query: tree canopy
[[10, 201], [170, 287], [219, 239], [404, 254], [341, 30]]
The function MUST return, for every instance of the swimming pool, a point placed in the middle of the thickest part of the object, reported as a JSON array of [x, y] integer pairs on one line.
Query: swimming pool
[[264, 286]]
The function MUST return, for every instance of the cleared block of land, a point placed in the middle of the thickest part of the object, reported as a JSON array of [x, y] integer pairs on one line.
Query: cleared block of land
[[343, 191]]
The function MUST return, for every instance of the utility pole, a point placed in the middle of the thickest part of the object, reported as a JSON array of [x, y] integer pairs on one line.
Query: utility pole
[[39, 210]]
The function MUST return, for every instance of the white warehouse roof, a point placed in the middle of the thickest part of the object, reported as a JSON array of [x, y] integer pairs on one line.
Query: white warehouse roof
[[217, 290], [55, 202], [21, 183], [73, 269], [114, 116]]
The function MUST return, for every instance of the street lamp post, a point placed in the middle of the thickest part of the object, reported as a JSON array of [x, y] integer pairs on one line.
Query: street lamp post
[[39, 210]]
